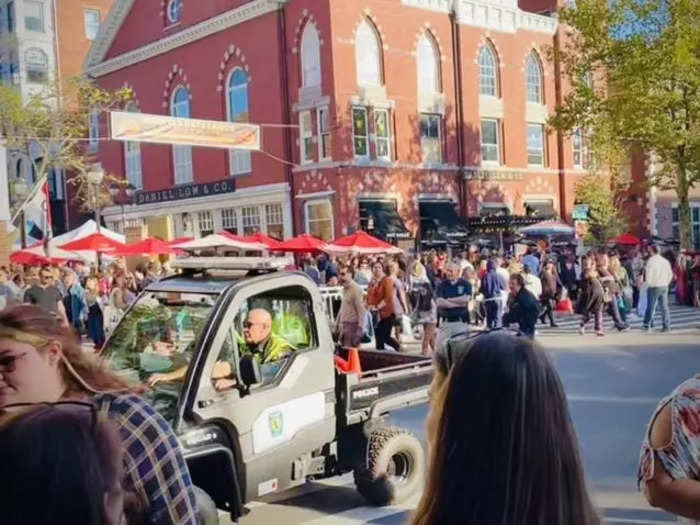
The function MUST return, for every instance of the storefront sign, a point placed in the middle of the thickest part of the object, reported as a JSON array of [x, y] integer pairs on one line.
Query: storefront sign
[[186, 191], [580, 212], [138, 127], [494, 175]]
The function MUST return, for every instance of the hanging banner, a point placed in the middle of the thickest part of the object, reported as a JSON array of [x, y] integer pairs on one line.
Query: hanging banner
[[159, 129]]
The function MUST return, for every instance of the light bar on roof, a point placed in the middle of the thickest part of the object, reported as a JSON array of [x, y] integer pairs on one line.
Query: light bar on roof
[[232, 263]]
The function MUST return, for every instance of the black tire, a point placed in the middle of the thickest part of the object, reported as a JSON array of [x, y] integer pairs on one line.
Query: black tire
[[394, 467], [208, 514]]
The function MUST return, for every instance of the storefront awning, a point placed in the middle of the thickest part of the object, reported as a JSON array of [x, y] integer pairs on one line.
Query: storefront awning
[[439, 219], [382, 219], [504, 223]]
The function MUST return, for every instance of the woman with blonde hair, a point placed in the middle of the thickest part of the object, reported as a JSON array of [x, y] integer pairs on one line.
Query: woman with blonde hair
[[424, 306], [41, 361], [502, 449]]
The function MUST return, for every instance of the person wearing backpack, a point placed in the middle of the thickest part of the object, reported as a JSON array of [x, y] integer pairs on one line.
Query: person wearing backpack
[[424, 306]]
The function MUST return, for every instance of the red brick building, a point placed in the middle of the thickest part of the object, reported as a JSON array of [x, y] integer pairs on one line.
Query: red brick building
[[395, 116]]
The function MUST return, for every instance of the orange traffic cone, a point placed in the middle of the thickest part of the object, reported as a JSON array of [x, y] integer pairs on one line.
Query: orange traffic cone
[[341, 364], [354, 362]]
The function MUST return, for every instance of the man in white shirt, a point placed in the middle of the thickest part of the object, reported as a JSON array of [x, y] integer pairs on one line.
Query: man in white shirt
[[658, 274], [464, 263]]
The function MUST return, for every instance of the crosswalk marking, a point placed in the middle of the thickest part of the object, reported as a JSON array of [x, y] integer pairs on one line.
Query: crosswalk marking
[[683, 318]]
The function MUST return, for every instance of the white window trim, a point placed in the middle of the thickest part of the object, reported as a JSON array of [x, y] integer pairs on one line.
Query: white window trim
[[380, 56], [496, 71], [86, 11], [437, 84], [94, 131], [305, 82], [309, 203], [543, 152], [533, 56], [498, 142], [388, 138], [232, 153], [305, 134], [367, 134], [495, 206], [43, 18], [171, 3], [328, 155], [440, 138]]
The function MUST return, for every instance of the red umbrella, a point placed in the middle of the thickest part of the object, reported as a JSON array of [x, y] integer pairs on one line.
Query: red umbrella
[[303, 243], [179, 240], [148, 246], [94, 243], [261, 238], [627, 239], [361, 242]]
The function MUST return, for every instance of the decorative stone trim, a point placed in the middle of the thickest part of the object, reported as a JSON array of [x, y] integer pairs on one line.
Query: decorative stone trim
[[176, 77], [96, 66], [233, 58], [503, 15], [368, 16], [427, 29], [305, 19]]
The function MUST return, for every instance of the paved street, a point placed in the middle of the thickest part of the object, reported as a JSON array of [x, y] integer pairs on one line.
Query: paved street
[[613, 384]]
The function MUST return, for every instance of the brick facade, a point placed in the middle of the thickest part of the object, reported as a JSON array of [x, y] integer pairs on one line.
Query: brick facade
[[324, 195]]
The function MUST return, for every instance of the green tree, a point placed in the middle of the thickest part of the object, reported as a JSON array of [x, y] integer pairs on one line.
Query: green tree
[[50, 127], [634, 69]]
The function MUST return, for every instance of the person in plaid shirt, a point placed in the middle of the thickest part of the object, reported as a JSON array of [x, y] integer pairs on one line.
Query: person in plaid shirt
[[41, 361]]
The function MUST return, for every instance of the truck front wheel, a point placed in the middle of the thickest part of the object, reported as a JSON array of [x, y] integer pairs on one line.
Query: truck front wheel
[[394, 467]]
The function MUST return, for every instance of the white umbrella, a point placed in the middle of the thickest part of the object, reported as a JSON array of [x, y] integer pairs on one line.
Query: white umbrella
[[84, 230], [216, 240]]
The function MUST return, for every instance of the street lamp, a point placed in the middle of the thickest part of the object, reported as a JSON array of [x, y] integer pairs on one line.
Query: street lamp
[[94, 178], [128, 191]]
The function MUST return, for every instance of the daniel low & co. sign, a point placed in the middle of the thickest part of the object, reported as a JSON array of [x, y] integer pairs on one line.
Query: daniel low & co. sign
[[186, 191]]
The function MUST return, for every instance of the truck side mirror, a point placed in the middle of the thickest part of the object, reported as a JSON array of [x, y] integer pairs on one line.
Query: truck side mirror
[[250, 370]]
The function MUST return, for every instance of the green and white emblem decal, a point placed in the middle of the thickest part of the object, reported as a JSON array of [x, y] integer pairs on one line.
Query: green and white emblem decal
[[276, 423]]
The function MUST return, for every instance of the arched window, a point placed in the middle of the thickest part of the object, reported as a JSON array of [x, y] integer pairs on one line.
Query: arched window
[[428, 65], [488, 71], [37, 63], [182, 155], [368, 55], [533, 78], [238, 111], [310, 57], [132, 156], [174, 11]]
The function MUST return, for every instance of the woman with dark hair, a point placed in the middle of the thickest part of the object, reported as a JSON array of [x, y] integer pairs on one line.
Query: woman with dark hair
[[60, 463], [502, 449], [41, 361]]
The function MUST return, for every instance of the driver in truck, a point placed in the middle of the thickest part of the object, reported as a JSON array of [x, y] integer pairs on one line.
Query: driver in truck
[[258, 340]]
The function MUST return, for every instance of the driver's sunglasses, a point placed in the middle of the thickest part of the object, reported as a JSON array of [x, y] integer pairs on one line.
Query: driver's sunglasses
[[452, 350], [249, 324], [8, 362], [71, 406]]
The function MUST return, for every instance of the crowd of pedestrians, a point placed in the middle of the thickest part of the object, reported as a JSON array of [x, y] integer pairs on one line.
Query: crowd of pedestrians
[[90, 301]]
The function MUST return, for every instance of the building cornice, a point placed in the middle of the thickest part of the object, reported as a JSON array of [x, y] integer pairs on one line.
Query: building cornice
[[96, 66], [494, 15]]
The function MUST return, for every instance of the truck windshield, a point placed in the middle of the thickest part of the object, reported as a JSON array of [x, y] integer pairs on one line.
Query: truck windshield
[[154, 343]]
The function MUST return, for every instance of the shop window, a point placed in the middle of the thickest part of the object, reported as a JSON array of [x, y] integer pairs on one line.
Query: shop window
[[360, 132], [381, 134], [533, 78], [324, 134], [37, 63], [319, 219], [431, 138], [488, 71], [274, 219], [205, 222], [310, 57], [250, 219], [182, 155], [368, 55], [490, 141], [428, 65], [229, 221], [34, 16], [307, 137], [92, 23], [535, 145]]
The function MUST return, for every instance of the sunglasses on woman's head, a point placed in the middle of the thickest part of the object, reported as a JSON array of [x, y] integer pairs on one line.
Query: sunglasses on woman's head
[[71, 406], [452, 350]]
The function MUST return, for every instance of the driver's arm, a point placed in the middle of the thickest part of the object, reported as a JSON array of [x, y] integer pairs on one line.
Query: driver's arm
[[175, 375]]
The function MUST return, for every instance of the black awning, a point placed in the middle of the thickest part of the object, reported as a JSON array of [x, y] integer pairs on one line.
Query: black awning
[[386, 222], [440, 217], [504, 223]]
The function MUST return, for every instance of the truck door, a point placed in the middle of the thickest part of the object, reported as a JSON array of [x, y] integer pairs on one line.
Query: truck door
[[280, 422]]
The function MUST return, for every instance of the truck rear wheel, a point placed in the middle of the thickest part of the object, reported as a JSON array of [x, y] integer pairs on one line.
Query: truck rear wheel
[[394, 467]]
